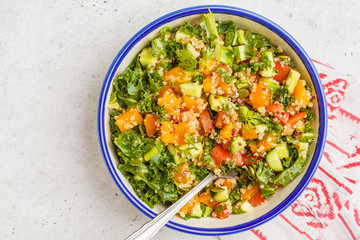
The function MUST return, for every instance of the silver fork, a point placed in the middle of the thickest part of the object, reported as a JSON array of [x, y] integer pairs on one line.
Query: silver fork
[[148, 230]]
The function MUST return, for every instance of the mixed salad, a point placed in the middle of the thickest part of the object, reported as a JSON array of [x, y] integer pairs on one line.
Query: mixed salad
[[211, 97]]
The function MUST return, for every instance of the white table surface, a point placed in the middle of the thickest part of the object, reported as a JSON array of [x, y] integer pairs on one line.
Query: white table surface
[[53, 59]]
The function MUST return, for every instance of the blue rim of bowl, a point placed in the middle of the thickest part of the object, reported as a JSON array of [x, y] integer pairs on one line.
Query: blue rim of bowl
[[304, 58]]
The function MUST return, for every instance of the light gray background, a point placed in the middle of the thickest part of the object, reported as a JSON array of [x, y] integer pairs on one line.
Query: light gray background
[[53, 58]]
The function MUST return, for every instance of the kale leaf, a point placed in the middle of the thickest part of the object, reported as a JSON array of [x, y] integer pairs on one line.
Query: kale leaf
[[200, 172], [235, 195], [293, 155], [152, 180], [198, 78], [263, 173], [186, 60], [310, 116], [192, 30], [289, 174], [223, 74], [160, 112], [225, 27], [285, 97], [253, 118], [266, 191], [208, 143], [256, 41]]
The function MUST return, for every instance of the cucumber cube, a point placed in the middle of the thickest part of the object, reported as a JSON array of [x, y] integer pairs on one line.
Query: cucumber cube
[[207, 211], [196, 212], [220, 194], [242, 53], [181, 36], [292, 80], [146, 57], [211, 28], [176, 153], [269, 71], [273, 84], [307, 137], [192, 50], [217, 101], [196, 150], [192, 151], [246, 206], [261, 128], [224, 54], [242, 207], [274, 161], [302, 146], [282, 151], [241, 37], [237, 144], [191, 89], [151, 153]]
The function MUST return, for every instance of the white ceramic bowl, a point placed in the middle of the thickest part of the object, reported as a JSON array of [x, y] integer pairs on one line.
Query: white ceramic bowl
[[246, 20]]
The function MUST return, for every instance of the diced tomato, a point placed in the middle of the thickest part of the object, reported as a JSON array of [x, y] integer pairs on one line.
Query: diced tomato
[[256, 199], [219, 121], [289, 126], [206, 121], [222, 214], [237, 157], [226, 145], [296, 118], [187, 116], [278, 112], [249, 159], [214, 164], [220, 154], [282, 71]]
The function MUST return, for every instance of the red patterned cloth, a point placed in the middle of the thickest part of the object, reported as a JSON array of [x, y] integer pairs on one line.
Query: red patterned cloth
[[329, 208]]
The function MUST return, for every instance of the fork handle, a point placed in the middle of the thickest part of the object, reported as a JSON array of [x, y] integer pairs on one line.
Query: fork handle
[[148, 230]]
